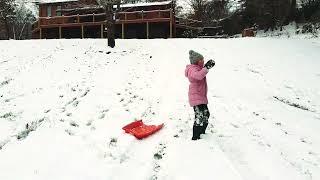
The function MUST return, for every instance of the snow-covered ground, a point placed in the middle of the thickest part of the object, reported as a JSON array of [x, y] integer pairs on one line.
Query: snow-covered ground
[[63, 104], [293, 30]]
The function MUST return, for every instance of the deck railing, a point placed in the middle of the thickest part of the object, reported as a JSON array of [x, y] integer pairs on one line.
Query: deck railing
[[122, 17], [188, 22]]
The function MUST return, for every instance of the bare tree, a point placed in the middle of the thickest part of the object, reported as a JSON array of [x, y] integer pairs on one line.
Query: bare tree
[[198, 7], [22, 21], [210, 10], [6, 16], [216, 9], [268, 13]]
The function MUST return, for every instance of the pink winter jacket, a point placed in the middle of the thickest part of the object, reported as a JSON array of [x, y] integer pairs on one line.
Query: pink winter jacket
[[198, 84]]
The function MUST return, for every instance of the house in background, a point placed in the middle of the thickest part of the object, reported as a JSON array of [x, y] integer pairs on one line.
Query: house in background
[[86, 19]]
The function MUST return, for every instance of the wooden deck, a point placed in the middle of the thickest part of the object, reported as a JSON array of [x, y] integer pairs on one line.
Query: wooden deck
[[123, 18]]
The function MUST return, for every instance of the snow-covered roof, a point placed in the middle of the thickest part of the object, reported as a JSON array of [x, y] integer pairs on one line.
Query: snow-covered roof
[[144, 4], [122, 5], [53, 1]]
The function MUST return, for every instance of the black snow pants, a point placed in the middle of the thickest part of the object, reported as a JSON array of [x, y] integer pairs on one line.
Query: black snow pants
[[200, 124], [202, 114]]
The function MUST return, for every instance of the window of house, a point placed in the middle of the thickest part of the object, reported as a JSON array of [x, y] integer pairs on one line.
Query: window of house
[[49, 11], [58, 11]]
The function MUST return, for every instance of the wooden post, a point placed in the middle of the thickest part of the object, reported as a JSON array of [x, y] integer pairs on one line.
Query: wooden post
[[125, 16], [62, 19], [147, 30], [122, 30], [93, 17], [170, 23], [60, 32], [170, 29], [82, 31], [142, 14], [101, 30], [40, 33], [78, 18], [39, 22]]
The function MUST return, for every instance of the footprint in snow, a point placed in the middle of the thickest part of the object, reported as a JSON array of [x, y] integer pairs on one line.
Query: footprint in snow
[[89, 123], [210, 128], [63, 109], [278, 124], [3, 143], [177, 135], [70, 132], [32, 126], [85, 93], [115, 153], [113, 142], [102, 115], [303, 140], [234, 125], [75, 103], [256, 114], [6, 82], [71, 101], [74, 124], [7, 115], [158, 156]]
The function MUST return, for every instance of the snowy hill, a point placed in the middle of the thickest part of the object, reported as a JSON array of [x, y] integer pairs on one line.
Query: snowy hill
[[63, 104], [293, 30]]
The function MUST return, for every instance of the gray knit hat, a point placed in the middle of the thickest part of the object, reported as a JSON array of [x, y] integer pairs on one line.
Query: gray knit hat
[[194, 56]]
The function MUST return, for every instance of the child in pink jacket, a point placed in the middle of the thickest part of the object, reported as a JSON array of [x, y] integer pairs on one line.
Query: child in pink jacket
[[196, 72]]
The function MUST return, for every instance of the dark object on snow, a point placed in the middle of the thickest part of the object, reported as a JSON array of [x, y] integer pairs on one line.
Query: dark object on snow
[[111, 42], [196, 131], [249, 32], [204, 127], [140, 130], [210, 64]]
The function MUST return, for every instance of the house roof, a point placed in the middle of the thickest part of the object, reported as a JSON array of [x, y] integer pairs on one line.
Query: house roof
[[122, 5], [53, 1], [144, 4]]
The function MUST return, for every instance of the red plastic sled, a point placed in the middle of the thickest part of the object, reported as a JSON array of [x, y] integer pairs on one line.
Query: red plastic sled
[[140, 130]]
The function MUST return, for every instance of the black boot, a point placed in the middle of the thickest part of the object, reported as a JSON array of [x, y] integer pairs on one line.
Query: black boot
[[203, 128], [196, 132]]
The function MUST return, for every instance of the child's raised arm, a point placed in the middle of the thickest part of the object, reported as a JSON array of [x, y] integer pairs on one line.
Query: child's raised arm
[[198, 75]]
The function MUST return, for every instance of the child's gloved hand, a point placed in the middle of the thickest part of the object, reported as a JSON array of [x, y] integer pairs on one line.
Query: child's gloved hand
[[209, 64]]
